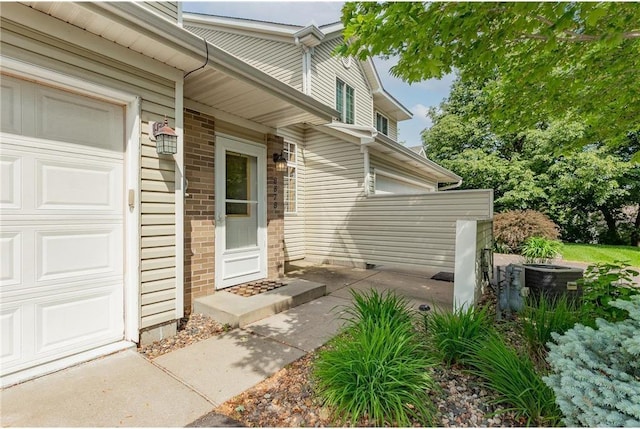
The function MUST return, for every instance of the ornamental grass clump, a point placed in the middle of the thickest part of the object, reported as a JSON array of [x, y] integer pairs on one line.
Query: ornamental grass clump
[[448, 334], [596, 372], [515, 378], [544, 315], [376, 370]]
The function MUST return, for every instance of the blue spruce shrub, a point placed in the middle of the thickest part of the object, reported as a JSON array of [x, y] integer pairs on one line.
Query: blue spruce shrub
[[595, 373]]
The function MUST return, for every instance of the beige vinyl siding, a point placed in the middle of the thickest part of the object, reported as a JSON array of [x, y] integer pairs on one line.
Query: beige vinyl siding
[[294, 223], [325, 68], [333, 182], [484, 240], [157, 177], [158, 229], [166, 9], [404, 231], [400, 170], [281, 60], [393, 129]]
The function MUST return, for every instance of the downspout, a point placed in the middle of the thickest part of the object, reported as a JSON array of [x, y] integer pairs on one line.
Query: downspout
[[448, 187]]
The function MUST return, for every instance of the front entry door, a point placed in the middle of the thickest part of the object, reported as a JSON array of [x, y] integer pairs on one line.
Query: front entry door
[[241, 215]]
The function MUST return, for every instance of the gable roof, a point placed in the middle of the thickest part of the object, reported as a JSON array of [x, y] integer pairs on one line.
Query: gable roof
[[310, 35]]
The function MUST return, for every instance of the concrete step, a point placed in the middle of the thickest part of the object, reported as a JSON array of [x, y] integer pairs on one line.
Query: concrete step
[[238, 311]]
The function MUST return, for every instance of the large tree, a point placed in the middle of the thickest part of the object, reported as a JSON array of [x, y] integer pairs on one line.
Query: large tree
[[575, 61], [592, 192]]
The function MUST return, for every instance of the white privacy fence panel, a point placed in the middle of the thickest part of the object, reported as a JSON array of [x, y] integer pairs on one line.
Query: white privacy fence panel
[[399, 230]]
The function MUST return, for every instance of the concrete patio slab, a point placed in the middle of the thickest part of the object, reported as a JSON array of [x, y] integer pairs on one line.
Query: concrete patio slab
[[417, 286], [306, 327], [118, 390], [333, 276], [224, 366]]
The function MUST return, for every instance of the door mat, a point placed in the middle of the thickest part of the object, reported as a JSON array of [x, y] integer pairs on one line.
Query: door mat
[[444, 276], [254, 288]]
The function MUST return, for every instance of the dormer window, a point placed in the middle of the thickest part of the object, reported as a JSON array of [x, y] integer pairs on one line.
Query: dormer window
[[382, 124], [345, 101]]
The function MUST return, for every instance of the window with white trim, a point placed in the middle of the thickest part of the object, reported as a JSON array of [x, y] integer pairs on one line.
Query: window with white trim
[[291, 178], [345, 101], [382, 124]]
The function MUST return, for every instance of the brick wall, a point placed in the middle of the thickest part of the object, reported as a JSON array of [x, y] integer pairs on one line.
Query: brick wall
[[199, 218], [199, 206], [275, 210]]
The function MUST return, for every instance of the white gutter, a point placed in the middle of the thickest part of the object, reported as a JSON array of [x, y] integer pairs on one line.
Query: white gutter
[[455, 185], [185, 42]]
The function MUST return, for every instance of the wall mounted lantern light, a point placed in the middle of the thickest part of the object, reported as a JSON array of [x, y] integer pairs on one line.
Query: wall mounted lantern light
[[280, 161], [166, 138]]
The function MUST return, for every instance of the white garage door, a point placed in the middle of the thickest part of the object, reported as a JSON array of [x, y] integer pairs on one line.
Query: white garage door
[[61, 224]]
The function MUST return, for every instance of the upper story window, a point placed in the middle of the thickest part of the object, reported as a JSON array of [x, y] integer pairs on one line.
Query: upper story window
[[291, 178], [345, 101], [382, 124]]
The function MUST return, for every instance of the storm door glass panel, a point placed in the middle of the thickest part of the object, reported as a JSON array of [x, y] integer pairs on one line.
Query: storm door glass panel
[[241, 201]]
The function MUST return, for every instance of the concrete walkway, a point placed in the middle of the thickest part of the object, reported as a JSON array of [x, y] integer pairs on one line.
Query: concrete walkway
[[182, 387]]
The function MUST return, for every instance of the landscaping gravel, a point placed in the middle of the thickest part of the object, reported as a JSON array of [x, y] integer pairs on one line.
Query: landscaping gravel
[[286, 399], [191, 329]]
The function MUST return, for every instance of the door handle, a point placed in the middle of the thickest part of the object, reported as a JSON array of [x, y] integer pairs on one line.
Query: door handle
[[220, 218]]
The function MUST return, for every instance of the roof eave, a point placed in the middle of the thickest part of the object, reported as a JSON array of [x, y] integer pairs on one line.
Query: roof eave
[[178, 38], [443, 175]]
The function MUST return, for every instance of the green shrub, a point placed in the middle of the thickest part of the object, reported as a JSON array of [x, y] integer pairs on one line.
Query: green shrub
[[377, 370], [511, 229], [515, 378], [541, 316], [540, 250], [386, 307], [449, 333], [596, 372], [604, 283]]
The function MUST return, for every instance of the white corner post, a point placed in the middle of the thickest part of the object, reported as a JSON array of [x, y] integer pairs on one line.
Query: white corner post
[[179, 198], [465, 282], [364, 148]]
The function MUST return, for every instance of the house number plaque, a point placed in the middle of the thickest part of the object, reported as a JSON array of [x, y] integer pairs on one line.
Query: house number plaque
[[275, 192]]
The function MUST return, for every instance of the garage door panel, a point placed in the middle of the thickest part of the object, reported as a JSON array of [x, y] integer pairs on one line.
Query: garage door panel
[[71, 321], [10, 180], [11, 339], [89, 186], [11, 262], [95, 123], [63, 255]]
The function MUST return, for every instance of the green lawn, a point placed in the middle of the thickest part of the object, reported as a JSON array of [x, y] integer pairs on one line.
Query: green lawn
[[593, 253]]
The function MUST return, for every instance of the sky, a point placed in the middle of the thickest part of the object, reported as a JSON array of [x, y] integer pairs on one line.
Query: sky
[[417, 97]]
